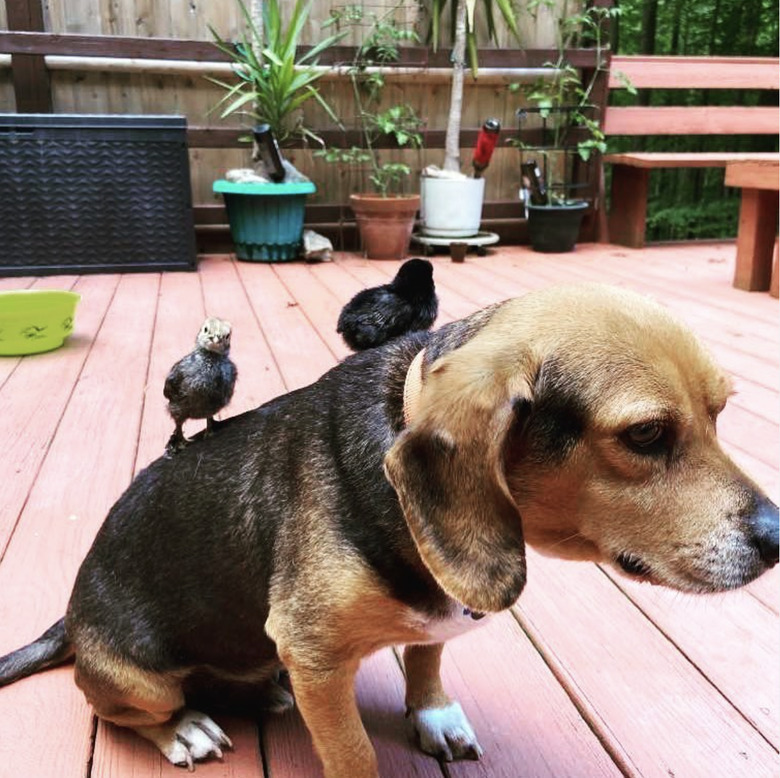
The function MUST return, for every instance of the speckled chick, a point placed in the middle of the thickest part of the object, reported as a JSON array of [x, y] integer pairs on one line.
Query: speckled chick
[[201, 384], [407, 304]]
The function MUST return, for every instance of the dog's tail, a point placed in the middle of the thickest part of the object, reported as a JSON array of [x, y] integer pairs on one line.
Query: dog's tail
[[51, 648]]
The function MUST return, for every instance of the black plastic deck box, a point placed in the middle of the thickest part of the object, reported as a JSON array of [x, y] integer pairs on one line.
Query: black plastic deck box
[[94, 194]]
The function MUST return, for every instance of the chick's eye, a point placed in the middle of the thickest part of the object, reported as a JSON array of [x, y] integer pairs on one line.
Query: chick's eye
[[644, 438]]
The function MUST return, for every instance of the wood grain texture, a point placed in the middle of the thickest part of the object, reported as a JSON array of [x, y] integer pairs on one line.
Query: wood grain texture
[[691, 120], [601, 675], [659, 711], [97, 432], [756, 235], [525, 723], [37, 394], [653, 72], [713, 633], [754, 173], [663, 159]]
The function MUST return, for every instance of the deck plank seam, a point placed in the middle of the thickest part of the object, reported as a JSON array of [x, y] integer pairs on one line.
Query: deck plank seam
[[58, 424], [590, 716], [257, 317], [92, 744], [305, 314], [691, 662], [147, 378]]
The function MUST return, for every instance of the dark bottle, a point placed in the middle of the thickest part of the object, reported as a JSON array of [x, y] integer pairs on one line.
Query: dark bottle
[[267, 149], [534, 182], [486, 143]]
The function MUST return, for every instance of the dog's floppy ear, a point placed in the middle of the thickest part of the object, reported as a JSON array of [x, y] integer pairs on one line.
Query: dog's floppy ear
[[448, 471]]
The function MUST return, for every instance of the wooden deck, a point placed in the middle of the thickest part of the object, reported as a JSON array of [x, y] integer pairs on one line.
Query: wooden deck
[[591, 675]]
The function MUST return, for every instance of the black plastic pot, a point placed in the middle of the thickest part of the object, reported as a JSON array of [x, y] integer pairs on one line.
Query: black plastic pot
[[553, 229]]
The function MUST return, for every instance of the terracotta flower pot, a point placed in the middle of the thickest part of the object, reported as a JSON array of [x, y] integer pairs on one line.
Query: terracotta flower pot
[[385, 223]]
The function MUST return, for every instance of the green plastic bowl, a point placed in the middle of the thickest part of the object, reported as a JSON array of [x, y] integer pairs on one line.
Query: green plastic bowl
[[35, 320]]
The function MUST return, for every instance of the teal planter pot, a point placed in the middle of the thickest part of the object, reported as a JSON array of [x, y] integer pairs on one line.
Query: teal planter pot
[[266, 220]]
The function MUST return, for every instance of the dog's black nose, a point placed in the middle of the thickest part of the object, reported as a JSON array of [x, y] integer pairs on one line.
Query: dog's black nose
[[764, 526]]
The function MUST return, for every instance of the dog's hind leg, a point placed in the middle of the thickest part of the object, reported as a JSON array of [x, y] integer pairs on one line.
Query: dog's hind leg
[[439, 724], [152, 704]]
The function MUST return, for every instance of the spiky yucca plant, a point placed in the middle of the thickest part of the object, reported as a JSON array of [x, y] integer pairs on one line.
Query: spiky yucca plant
[[273, 82]]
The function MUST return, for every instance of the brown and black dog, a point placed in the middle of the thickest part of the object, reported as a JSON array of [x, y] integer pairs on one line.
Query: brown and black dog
[[389, 503]]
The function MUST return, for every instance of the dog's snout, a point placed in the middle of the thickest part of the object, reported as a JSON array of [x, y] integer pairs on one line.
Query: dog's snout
[[764, 526]]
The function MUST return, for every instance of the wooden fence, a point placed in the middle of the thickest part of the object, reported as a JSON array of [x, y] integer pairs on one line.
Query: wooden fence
[[136, 57]]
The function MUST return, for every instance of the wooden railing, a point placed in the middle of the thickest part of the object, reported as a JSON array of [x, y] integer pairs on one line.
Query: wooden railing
[[693, 73], [756, 241]]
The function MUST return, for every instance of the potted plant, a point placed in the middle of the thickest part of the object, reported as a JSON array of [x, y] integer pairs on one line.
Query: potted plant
[[441, 188], [386, 216], [569, 131], [266, 219]]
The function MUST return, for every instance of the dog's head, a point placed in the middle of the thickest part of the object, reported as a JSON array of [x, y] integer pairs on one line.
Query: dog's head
[[583, 421]]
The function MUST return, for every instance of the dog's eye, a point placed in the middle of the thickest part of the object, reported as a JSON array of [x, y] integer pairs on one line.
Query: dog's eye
[[645, 438]]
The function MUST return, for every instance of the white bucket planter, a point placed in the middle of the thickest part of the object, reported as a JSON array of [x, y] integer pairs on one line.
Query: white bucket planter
[[451, 207]]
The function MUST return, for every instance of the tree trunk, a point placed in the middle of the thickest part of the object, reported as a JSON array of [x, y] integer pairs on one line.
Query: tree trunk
[[614, 32], [647, 42], [452, 137], [677, 27], [649, 24]]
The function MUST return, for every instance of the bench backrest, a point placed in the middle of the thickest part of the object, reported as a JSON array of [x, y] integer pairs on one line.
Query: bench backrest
[[645, 72]]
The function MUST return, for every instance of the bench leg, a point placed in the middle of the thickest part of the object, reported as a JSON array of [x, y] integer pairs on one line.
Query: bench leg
[[756, 239], [628, 209], [775, 284]]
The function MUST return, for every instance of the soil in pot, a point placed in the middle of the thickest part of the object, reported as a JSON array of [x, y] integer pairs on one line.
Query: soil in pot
[[385, 223], [555, 228]]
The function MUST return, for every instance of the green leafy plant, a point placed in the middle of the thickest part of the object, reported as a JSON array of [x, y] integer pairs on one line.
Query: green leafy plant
[[380, 46], [273, 82], [562, 98]]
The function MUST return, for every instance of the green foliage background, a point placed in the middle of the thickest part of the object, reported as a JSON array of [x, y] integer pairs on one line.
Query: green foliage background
[[693, 203]]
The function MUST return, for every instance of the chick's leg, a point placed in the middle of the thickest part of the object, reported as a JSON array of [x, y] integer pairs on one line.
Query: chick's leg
[[177, 441]]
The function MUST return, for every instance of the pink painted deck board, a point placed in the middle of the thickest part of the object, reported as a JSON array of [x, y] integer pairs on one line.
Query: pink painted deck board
[[88, 464], [646, 699], [34, 399], [599, 677]]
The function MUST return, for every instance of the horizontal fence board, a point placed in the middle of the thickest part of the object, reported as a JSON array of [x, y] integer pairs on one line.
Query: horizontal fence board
[[204, 51], [645, 72], [694, 120], [220, 138]]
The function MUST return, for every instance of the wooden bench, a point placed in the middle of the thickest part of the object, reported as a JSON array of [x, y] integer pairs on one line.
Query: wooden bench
[[631, 171], [758, 216]]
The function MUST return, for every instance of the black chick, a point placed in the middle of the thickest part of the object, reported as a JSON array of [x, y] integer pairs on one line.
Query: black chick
[[407, 304], [201, 384]]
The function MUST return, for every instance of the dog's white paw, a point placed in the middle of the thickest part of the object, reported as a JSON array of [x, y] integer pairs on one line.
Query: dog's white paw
[[445, 732], [192, 737]]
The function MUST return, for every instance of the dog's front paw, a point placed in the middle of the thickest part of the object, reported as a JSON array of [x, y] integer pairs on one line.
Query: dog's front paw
[[445, 732], [194, 736]]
